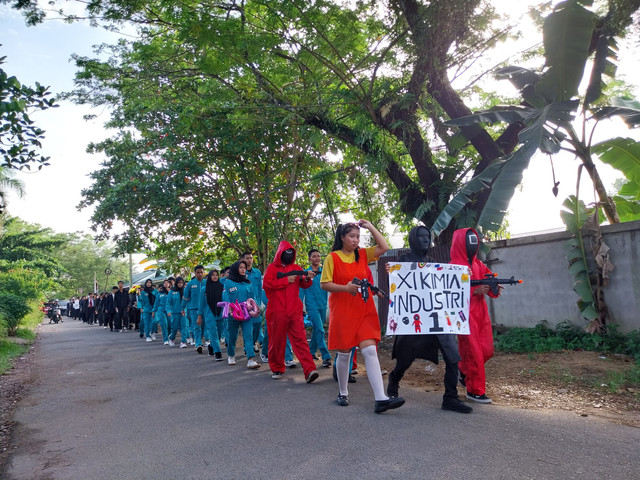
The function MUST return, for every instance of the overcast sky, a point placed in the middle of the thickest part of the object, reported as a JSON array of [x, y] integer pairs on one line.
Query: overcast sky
[[43, 53]]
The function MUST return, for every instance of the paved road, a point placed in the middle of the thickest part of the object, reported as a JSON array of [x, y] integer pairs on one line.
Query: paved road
[[110, 406]]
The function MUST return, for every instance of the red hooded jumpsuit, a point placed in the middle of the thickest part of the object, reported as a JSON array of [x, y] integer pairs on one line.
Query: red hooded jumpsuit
[[476, 348], [284, 313]]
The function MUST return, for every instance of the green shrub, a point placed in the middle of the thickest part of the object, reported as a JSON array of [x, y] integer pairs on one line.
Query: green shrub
[[13, 308], [567, 336]]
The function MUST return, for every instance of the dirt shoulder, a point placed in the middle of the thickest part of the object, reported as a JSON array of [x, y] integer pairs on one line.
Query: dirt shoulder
[[14, 384], [586, 383]]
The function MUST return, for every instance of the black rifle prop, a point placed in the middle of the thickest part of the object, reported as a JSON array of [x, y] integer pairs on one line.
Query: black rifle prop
[[300, 273], [493, 282], [365, 286]]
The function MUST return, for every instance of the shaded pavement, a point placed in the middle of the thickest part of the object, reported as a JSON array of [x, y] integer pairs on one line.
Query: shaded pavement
[[110, 406]]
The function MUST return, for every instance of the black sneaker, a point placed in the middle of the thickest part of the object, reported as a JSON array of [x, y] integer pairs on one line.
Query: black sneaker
[[455, 405], [342, 400], [210, 349], [384, 405], [218, 356], [312, 376], [199, 348], [478, 398], [276, 375], [461, 379], [326, 363]]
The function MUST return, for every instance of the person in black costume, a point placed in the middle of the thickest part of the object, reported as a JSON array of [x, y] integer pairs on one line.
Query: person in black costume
[[406, 348]]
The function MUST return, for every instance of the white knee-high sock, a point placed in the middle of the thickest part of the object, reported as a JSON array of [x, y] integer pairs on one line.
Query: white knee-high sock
[[342, 371], [372, 364]]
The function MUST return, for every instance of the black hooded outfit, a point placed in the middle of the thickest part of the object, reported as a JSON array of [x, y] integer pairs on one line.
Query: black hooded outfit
[[406, 348]]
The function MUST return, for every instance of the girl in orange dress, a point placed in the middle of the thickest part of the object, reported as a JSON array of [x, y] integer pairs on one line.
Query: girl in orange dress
[[352, 322]]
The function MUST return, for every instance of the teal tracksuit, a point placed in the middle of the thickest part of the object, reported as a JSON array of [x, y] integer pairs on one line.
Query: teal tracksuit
[[146, 312], [214, 323], [255, 276], [238, 291], [191, 301], [160, 314], [178, 320]]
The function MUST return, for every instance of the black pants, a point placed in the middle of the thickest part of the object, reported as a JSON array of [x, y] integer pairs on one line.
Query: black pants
[[403, 362], [122, 319]]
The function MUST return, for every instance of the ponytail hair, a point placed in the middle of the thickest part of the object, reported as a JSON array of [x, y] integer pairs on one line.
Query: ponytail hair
[[341, 231]]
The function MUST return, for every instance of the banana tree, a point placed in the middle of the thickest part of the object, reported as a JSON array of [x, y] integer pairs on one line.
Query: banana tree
[[556, 118]]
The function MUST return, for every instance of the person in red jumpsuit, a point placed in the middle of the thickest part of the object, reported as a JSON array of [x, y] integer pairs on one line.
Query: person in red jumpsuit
[[476, 348], [284, 312]]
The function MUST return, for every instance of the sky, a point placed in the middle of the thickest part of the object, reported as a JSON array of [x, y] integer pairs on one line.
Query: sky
[[43, 54]]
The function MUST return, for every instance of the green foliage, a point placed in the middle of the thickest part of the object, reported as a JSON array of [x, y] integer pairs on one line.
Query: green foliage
[[19, 136], [7, 182], [574, 216], [568, 336], [9, 350], [13, 309]]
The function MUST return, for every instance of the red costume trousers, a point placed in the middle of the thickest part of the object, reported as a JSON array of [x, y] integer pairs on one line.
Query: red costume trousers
[[475, 350], [279, 326]]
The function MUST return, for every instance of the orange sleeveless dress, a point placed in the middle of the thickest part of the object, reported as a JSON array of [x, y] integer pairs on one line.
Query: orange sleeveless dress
[[351, 321]]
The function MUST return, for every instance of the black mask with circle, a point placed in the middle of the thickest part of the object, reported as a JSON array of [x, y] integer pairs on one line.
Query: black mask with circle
[[288, 256], [472, 244]]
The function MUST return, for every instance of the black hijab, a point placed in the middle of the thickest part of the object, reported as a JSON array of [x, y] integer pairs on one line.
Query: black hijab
[[234, 273], [175, 286], [213, 292], [149, 290]]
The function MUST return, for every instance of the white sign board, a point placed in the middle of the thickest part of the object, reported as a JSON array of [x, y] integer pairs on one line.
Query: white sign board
[[428, 299]]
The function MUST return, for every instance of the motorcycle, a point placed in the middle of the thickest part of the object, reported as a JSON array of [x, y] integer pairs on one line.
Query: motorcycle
[[54, 315]]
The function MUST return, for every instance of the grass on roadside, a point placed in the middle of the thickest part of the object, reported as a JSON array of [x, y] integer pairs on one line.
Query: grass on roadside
[[26, 330], [567, 336]]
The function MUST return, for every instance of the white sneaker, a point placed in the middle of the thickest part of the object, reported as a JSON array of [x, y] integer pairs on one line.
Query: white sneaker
[[105, 327], [231, 360], [149, 339], [171, 343], [290, 364], [223, 341], [183, 345], [124, 329], [252, 364], [207, 343], [190, 341], [264, 358], [166, 343], [153, 336]]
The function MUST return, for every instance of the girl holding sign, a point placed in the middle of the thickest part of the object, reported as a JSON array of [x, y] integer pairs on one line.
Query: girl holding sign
[[352, 321]]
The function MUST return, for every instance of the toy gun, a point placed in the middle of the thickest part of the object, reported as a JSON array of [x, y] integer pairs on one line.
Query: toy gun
[[493, 282], [299, 273], [365, 285]]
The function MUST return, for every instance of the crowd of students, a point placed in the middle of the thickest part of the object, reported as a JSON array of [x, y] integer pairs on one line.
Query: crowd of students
[[211, 310]]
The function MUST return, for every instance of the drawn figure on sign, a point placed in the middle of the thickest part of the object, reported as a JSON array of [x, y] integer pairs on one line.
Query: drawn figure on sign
[[461, 315], [446, 315], [393, 325], [406, 348], [416, 323]]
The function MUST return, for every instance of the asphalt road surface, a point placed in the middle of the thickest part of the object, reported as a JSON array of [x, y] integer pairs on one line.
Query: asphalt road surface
[[110, 406]]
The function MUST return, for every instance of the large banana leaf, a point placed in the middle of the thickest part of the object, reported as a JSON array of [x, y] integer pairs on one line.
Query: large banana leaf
[[505, 114], [622, 154], [504, 175], [627, 110], [602, 65], [628, 210], [537, 135], [567, 35], [524, 80], [574, 216]]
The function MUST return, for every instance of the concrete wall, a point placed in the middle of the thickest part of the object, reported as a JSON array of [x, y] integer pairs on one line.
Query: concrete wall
[[547, 293]]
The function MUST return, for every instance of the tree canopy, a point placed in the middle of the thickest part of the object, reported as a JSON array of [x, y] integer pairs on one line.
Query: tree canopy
[[228, 112]]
